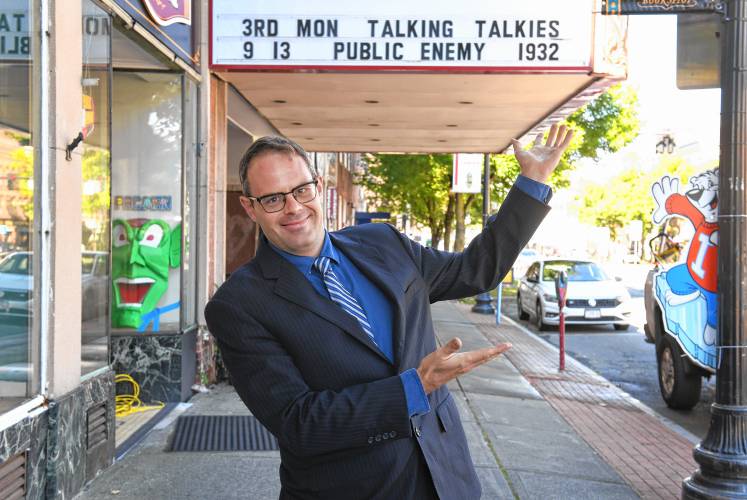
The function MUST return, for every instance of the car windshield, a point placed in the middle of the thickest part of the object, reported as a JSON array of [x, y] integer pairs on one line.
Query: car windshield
[[575, 270], [19, 263]]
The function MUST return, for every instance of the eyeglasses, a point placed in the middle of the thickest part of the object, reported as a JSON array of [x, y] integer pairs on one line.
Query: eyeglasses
[[275, 202]]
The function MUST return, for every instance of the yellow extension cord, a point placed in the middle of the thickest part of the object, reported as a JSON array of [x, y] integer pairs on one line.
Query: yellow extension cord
[[127, 404]]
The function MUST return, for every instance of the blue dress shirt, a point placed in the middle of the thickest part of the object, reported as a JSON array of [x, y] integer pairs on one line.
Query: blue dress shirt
[[379, 310], [536, 190]]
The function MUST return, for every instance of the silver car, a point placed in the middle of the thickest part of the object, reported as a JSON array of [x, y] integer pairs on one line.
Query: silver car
[[16, 286], [593, 298]]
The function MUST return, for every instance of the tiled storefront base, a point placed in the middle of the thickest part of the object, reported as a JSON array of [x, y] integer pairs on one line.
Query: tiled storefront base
[[29, 435], [72, 461], [163, 365], [60, 460]]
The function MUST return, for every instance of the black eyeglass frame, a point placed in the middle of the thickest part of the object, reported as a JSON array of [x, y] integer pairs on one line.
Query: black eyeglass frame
[[314, 181]]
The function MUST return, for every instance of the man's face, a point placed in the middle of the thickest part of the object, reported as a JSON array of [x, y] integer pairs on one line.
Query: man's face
[[299, 227]]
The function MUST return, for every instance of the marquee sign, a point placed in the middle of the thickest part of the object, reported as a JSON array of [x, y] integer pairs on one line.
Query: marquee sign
[[15, 40], [389, 34]]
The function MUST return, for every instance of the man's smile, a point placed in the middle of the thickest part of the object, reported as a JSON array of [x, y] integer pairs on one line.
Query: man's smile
[[296, 223]]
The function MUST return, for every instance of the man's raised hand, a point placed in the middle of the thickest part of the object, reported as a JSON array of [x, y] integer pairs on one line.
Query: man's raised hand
[[446, 363], [538, 162]]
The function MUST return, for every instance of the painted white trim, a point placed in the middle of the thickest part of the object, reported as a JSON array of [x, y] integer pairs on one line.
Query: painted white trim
[[44, 245], [20, 412], [95, 373]]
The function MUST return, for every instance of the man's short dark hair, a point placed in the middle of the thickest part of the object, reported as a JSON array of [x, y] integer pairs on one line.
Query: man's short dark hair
[[270, 144]]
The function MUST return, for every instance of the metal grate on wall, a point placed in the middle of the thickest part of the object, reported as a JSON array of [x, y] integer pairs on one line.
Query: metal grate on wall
[[13, 478], [97, 431]]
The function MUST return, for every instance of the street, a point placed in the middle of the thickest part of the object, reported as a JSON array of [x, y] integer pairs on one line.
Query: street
[[625, 358]]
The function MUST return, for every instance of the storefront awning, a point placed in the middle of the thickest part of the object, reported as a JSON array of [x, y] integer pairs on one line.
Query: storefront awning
[[412, 112]]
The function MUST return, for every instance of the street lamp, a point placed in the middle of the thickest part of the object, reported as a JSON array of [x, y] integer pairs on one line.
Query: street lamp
[[665, 145], [722, 454], [483, 302]]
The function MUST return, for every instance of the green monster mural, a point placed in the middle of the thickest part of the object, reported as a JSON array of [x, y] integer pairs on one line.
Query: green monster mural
[[143, 251]]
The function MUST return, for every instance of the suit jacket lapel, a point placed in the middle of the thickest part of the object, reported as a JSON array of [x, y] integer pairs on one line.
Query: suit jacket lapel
[[294, 287], [370, 262]]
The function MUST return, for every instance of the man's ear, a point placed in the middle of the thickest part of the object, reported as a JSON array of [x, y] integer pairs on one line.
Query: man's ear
[[175, 248], [248, 207]]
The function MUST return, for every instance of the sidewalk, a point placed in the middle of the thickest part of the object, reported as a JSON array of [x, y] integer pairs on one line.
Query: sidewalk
[[533, 434]]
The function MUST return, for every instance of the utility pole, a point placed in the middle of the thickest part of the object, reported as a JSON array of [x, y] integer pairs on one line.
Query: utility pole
[[722, 455], [484, 303]]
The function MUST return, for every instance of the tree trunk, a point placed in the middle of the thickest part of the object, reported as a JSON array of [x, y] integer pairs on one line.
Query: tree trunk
[[448, 219], [434, 223], [435, 237], [459, 214], [461, 205]]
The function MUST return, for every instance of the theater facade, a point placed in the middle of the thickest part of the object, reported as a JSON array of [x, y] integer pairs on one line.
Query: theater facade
[[121, 126]]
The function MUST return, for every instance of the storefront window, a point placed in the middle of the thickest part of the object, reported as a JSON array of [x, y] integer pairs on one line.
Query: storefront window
[[18, 43], [96, 196], [146, 245]]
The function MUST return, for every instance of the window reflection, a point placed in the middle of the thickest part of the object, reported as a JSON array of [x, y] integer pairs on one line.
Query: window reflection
[[146, 201], [95, 189], [16, 203]]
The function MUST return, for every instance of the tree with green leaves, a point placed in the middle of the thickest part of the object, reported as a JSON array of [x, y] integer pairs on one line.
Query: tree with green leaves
[[414, 184], [627, 197], [397, 182]]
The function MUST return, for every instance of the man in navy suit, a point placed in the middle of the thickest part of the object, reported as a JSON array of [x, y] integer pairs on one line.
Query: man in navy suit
[[329, 340]]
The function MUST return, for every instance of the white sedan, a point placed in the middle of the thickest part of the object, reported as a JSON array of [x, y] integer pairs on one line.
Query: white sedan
[[592, 298]]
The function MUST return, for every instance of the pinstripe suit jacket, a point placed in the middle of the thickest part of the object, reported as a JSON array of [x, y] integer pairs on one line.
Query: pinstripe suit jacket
[[309, 373]]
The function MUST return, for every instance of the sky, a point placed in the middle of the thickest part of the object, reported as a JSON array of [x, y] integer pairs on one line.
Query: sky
[[690, 116]]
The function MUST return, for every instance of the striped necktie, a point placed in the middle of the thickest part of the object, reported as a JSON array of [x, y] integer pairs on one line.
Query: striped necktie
[[340, 295]]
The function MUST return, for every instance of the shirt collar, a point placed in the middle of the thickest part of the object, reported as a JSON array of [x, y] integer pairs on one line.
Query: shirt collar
[[305, 264]]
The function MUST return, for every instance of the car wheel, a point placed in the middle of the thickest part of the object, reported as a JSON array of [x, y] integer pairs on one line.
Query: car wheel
[[522, 313], [539, 318], [621, 328], [680, 390]]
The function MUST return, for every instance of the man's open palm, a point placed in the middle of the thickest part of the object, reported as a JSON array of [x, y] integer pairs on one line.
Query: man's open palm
[[446, 363], [540, 160]]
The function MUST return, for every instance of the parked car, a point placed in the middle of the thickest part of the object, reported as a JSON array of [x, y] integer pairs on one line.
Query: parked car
[[680, 378], [523, 261], [593, 298], [16, 284], [95, 282]]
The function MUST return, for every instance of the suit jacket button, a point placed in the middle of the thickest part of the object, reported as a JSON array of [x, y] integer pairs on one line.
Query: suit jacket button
[[370, 439], [393, 434], [417, 431], [378, 437]]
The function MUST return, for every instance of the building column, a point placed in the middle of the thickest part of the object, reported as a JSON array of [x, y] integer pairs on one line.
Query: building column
[[60, 239]]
